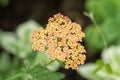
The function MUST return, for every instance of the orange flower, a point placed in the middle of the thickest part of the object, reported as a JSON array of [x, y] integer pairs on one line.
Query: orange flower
[[62, 37]]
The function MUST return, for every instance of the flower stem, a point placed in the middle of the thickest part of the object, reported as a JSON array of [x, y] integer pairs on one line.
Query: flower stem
[[90, 15], [16, 76], [50, 62]]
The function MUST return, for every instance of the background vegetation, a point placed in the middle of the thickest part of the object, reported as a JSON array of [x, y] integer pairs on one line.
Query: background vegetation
[[18, 19]]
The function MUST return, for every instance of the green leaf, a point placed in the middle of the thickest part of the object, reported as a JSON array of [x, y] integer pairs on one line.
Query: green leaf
[[99, 64], [110, 7], [4, 62], [93, 39], [107, 16], [111, 56], [18, 43], [41, 58], [106, 68], [29, 60], [40, 73], [110, 30], [24, 32], [97, 8], [87, 70], [9, 42], [25, 29], [44, 60], [103, 9], [53, 66]]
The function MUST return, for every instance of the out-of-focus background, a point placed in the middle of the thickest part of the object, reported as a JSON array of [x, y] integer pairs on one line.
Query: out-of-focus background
[[14, 12], [18, 19]]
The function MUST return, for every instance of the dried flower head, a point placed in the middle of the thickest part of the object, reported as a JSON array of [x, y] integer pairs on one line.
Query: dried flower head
[[62, 38]]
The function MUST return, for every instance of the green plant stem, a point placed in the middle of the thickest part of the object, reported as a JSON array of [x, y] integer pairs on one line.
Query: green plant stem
[[90, 15], [50, 62], [61, 63], [16, 76]]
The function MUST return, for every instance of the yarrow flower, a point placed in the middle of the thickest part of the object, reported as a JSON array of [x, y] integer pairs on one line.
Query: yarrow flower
[[61, 40]]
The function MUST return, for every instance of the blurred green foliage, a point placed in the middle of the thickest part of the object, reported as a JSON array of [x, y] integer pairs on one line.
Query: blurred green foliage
[[103, 9], [107, 16], [4, 3], [40, 73], [18, 43], [0, 37], [19, 62], [106, 68], [4, 62]]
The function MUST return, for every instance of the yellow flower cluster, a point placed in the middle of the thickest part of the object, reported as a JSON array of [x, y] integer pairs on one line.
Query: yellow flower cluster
[[61, 40]]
